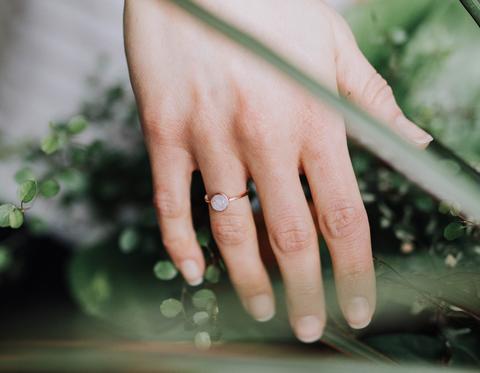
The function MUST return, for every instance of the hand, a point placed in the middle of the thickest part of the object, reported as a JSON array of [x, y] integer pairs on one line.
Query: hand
[[207, 104]]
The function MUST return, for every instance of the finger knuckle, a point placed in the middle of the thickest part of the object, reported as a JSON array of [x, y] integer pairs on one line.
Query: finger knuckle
[[253, 129], [168, 205], [177, 245], [291, 234], [343, 219], [230, 230], [377, 91], [161, 125], [354, 270], [249, 284]]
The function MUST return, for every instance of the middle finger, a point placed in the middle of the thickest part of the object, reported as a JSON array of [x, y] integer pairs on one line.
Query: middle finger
[[294, 241]]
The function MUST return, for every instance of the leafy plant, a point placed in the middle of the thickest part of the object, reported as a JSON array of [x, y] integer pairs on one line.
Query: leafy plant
[[427, 252]]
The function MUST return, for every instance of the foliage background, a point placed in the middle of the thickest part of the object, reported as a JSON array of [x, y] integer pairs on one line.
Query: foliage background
[[427, 256]]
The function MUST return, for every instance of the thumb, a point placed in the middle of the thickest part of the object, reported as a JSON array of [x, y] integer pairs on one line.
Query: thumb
[[360, 83]]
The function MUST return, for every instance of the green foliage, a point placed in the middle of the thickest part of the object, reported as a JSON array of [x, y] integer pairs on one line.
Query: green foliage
[[404, 220], [24, 174], [51, 143], [165, 270], [453, 231], [15, 218], [203, 298], [203, 341], [5, 211], [27, 191], [128, 240], [77, 125], [49, 188], [212, 274], [201, 318], [171, 308]]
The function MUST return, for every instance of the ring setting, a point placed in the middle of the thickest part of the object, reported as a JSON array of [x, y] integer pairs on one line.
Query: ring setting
[[220, 201]]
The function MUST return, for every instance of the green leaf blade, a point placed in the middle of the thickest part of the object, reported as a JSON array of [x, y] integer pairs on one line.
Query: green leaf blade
[[453, 231], [27, 191]]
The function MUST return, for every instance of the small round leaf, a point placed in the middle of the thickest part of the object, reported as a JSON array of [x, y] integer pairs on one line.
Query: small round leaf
[[5, 214], [27, 191], [170, 308], [165, 270], [15, 218], [50, 144], [202, 298], [200, 318], [77, 125], [49, 188], [212, 274], [203, 341], [128, 240], [453, 231]]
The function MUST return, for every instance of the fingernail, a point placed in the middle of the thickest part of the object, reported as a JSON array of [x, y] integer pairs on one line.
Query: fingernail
[[308, 329], [261, 307], [191, 272], [413, 132], [358, 312]]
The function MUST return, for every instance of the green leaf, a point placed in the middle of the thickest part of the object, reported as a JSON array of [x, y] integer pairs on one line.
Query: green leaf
[[5, 214], [453, 231], [200, 318], [77, 125], [203, 237], [165, 270], [170, 308], [50, 144], [27, 191], [5, 259], [15, 218], [202, 341], [203, 298], [24, 174], [49, 188], [444, 207], [472, 7], [212, 274], [128, 240]]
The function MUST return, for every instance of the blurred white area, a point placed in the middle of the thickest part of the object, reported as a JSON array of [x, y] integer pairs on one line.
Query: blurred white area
[[48, 48]]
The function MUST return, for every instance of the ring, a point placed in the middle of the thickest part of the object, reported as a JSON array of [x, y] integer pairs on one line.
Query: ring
[[220, 201]]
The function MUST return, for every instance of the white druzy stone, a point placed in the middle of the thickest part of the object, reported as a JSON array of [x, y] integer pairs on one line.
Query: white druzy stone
[[219, 202]]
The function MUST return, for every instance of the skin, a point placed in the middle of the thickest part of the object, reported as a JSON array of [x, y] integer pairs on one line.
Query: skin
[[207, 104]]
